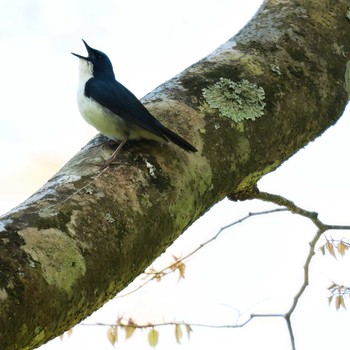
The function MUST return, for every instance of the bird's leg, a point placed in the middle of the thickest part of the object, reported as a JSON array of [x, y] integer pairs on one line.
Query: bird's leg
[[115, 153], [110, 143]]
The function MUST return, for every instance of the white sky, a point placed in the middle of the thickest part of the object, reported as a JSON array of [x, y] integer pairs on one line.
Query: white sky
[[256, 267]]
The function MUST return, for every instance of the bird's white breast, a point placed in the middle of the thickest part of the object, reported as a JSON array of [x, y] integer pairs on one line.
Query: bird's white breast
[[101, 118], [106, 122]]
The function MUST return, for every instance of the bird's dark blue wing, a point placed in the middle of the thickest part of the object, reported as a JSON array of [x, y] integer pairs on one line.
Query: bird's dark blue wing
[[122, 102]]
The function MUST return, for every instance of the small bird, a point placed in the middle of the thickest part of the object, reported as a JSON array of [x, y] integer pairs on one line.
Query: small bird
[[114, 110]]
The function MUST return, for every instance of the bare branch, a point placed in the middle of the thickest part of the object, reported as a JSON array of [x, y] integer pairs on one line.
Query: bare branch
[[168, 269], [313, 216], [131, 323], [289, 206]]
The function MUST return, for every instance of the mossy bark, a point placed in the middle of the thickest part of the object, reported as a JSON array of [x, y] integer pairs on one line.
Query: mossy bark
[[85, 235]]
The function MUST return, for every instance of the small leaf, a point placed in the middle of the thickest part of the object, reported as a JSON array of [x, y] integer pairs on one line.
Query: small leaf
[[153, 336], [332, 286], [322, 249], [112, 334], [181, 268], [330, 299], [330, 248], [343, 302], [342, 248], [188, 330], [178, 333], [129, 330], [339, 301]]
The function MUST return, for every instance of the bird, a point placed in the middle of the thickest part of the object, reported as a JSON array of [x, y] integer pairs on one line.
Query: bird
[[114, 110]]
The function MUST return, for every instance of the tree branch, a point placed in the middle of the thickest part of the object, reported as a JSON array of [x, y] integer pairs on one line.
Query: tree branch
[[279, 200], [247, 107], [272, 198]]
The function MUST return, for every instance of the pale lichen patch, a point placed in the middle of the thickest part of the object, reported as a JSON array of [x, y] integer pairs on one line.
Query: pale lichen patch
[[226, 53], [347, 14], [4, 223], [275, 69], [347, 78], [60, 260], [236, 100], [3, 294], [47, 191], [151, 168], [109, 218]]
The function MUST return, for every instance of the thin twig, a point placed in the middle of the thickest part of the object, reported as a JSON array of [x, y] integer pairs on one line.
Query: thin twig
[[169, 267], [132, 324], [313, 216]]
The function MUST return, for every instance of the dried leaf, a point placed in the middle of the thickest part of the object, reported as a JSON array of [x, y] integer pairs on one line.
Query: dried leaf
[[129, 330], [342, 248], [70, 332], [153, 336], [188, 330], [181, 268], [339, 301], [112, 334], [343, 303], [330, 299], [330, 248], [178, 333]]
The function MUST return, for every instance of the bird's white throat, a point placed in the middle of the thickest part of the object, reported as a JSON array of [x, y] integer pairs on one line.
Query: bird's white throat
[[99, 117], [85, 71]]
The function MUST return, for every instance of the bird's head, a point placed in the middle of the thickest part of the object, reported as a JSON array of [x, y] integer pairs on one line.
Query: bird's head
[[98, 62]]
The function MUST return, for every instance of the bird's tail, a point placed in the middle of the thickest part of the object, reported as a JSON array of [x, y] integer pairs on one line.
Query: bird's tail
[[178, 140]]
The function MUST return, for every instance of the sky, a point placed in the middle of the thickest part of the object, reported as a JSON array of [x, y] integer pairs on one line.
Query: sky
[[255, 267]]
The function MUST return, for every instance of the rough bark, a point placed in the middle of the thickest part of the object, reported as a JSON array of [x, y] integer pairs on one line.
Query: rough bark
[[83, 237]]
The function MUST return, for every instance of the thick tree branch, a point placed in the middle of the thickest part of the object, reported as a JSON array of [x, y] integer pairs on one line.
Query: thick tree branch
[[85, 235]]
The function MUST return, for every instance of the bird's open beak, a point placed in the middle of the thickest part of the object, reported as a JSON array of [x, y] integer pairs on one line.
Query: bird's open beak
[[88, 48], [82, 57]]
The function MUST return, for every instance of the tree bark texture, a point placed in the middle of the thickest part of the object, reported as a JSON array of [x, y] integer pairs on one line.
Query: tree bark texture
[[247, 107]]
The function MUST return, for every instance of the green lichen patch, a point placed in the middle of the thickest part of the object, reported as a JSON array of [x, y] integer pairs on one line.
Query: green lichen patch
[[236, 100], [57, 254], [250, 181]]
